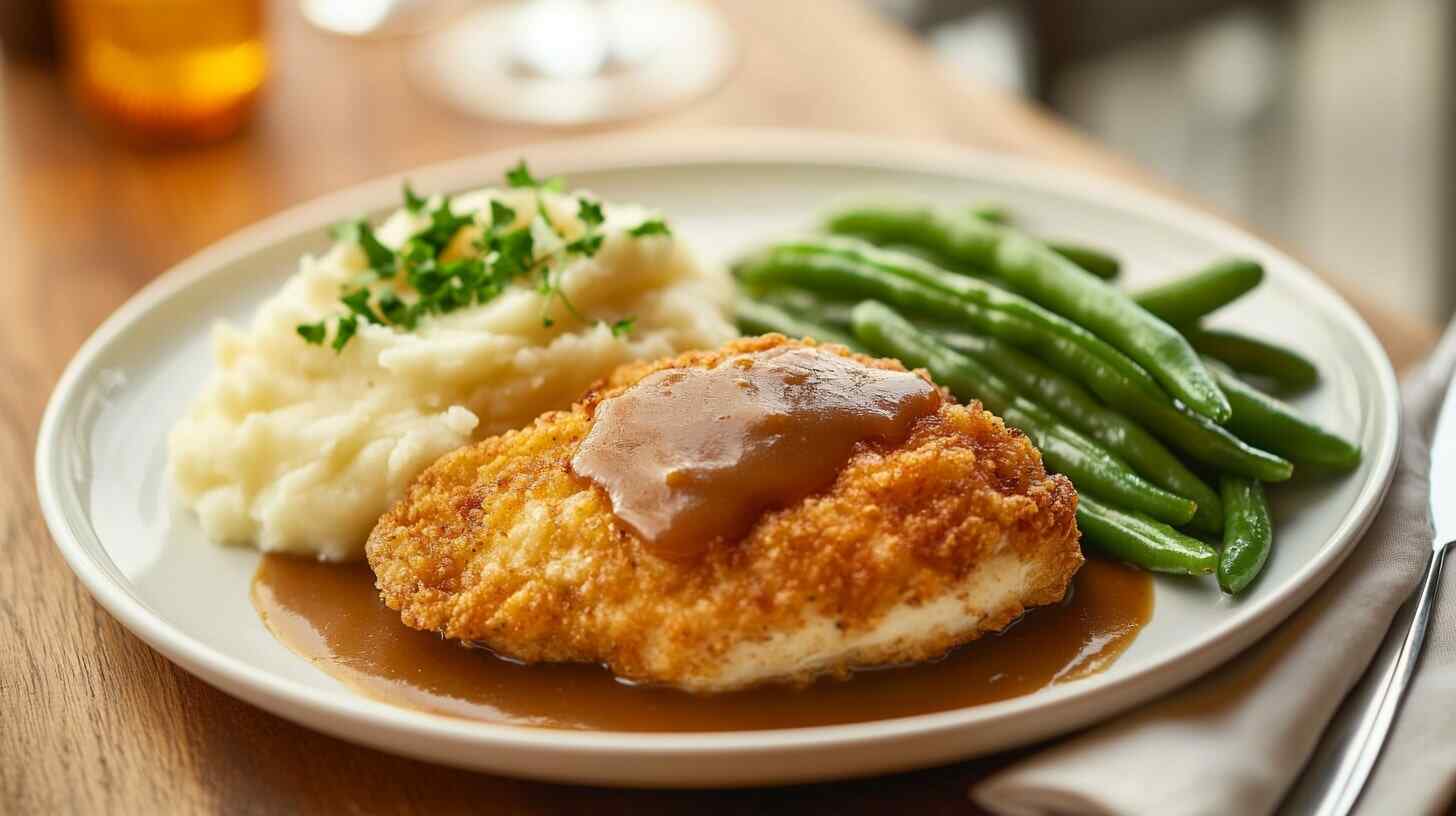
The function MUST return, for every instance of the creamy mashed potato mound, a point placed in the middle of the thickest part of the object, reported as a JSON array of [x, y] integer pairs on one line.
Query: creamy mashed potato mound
[[293, 447]]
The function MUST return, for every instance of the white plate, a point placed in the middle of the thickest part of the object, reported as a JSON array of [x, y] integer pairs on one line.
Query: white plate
[[101, 454]]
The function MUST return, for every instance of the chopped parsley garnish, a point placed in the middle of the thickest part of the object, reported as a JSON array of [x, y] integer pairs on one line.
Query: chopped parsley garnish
[[655, 226], [520, 176], [590, 213], [412, 202], [395, 310], [358, 303], [443, 225], [347, 326], [381, 257], [501, 215], [507, 253], [313, 332]]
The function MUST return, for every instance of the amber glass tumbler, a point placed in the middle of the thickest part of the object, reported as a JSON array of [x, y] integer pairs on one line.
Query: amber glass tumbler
[[167, 71]]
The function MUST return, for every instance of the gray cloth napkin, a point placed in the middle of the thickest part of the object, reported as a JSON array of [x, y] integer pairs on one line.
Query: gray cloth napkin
[[1235, 740]]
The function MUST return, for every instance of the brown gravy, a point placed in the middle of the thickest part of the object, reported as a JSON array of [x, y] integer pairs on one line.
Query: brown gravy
[[693, 455], [331, 615]]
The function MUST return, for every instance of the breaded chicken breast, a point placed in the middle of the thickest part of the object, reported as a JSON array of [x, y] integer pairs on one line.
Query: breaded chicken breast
[[915, 548]]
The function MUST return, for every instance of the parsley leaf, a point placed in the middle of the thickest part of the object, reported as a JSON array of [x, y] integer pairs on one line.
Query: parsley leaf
[[348, 325], [655, 226], [394, 309], [590, 213], [381, 257], [587, 244], [416, 251], [501, 216], [623, 327], [514, 253], [313, 332], [358, 303], [444, 224], [412, 202], [519, 176]]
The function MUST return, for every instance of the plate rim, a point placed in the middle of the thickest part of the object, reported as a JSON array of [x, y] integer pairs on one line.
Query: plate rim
[[304, 704]]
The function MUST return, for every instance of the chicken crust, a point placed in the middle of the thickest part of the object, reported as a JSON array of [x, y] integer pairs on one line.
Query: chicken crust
[[501, 545]]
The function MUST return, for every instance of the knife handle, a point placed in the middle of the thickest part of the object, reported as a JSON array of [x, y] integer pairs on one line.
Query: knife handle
[[1375, 702]]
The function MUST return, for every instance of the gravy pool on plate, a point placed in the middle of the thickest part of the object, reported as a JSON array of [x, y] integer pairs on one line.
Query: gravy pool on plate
[[330, 614]]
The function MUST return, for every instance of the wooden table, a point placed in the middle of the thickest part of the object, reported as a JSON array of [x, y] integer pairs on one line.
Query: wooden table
[[93, 720]]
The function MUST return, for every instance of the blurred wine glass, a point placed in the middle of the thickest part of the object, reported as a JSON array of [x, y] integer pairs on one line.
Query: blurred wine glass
[[570, 62], [380, 18]]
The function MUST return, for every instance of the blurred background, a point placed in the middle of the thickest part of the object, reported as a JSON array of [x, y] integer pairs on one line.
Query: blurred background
[[1327, 125]]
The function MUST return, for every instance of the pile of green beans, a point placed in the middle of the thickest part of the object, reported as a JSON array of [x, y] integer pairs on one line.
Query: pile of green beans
[[847, 268], [836, 268], [1131, 397], [1077, 407], [1038, 272]]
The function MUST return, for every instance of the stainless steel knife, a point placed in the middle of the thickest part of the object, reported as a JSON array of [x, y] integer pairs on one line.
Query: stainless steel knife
[[1336, 776]]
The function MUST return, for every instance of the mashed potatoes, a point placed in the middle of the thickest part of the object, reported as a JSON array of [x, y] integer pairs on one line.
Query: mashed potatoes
[[293, 447]]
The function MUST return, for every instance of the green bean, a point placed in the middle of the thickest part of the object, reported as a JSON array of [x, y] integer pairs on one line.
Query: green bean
[[1090, 467], [1278, 427], [755, 317], [1114, 431], [1141, 541], [970, 240], [1091, 259], [1099, 262], [950, 264], [1095, 261], [1287, 370], [1065, 288], [1248, 535], [804, 304], [1182, 302], [836, 278], [1115, 381], [931, 257], [1053, 282]]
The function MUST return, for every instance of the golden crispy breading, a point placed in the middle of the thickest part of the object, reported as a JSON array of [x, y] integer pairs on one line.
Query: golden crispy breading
[[501, 544]]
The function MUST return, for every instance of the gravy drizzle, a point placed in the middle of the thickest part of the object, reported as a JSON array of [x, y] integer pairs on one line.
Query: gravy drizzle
[[693, 455]]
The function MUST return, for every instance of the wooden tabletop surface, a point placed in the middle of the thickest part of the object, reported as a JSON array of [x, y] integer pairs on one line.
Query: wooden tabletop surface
[[96, 722]]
